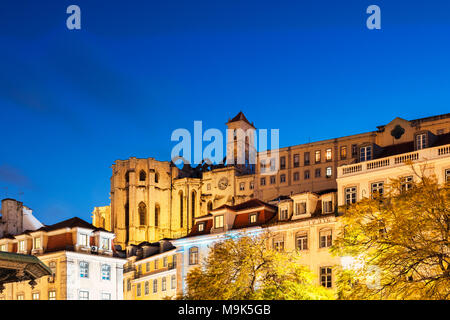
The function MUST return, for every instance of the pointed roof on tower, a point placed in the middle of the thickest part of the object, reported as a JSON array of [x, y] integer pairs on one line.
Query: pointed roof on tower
[[240, 117]]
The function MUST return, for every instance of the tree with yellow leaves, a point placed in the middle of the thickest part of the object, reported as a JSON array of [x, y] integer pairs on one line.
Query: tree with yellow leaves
[[397, 245], [245, 268]]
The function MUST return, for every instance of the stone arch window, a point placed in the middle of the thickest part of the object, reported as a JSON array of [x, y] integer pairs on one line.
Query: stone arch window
[[210, 206], [142, 175], [193, 203], [157, 215], [142, 213], [156, 177], [181, 208], [127, 177]]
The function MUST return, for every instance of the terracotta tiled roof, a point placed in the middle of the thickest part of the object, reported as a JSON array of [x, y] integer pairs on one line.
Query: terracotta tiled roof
[[253, 203], [240, 116], [70, 223]]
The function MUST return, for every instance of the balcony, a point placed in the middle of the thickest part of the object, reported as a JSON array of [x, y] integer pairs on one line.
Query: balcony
[[394, 161]]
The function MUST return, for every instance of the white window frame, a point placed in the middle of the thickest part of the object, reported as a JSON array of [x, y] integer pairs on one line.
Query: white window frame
[[377, 187], [298, 205], [106, 272], [365, 153], [84, 269], [83, 295], [253, 218], [421, 141], [303, 237], [350, 195], [325, 238], [326, 277], [218, 221]]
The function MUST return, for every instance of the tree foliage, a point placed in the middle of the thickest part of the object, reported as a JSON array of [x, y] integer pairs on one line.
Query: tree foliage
[[399, 243], [245, 268]]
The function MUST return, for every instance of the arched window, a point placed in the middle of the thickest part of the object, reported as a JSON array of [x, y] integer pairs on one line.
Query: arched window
[[181, 209], [142, 175], [127, 177], [157, 215], [210, 206], [193, 196], [142, 213], [156, 177]]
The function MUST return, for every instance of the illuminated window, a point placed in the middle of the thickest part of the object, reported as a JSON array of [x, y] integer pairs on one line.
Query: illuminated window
[[317, 156], [218, 222], [35, 296], [421, 141], [22, 245], [253, 218], [328, 155], [104, 243], [155, 286], [343, 152], [325, 238], [20, 297], [83, 239], [4, 247], [37, 243], [84, 269], [296, 160], [329, 172], [350, 195], [193, 256], [300, 208], [106, 272], [164, 284], [201, 227], [83, 295], [325, 277], [365, 154], [52, 295], [301, 240]]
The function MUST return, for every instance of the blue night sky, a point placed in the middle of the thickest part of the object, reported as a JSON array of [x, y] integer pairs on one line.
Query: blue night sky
[[72, 102]]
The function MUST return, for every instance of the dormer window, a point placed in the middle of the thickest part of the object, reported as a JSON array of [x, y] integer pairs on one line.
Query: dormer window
[[83, 239], [253, 217], [201, 227], [37, 243], [365, 154], [300, 208], [421, 141], [218, 222], [104, 243], [328, 206], [283, 214]]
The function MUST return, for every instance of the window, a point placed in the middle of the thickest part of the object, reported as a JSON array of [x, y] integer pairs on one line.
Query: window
[[421, 141], [4, 247], [263, 181], [142, 175], [201, 227], [20, 297], [354, 150], [155, 286], [84, 239], [106, 296], [278, 244], [84, 269], [300, 208], [282, 163], [317, 156], [365, 154], [325, 238], [296, 160], [128, 284], [139, 269], [165, 262], [350, 195], [272, 179], [193, 256], [22, 245], [52, 295], [252, 185], [146, 288], [218, 222], [328, 206], [208, 186], [104, 243], [343, 152], [35, 296], [106, 272], [156, 177], [377, 189], [282, 178], [272, 165], [447, 175], [328, 155], [283, 214], [306, 174], [138, 290], [296, 176], [306, 159], [242, 186], [156, 264], [406, 183], [329, 172], [325, 277], [157, 214], [52, 266], [147, 267], [164, 284], [83, 295], [173, 282], [301, 241], [253, 218], [142, 213], [317, 173], [37, 243]]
